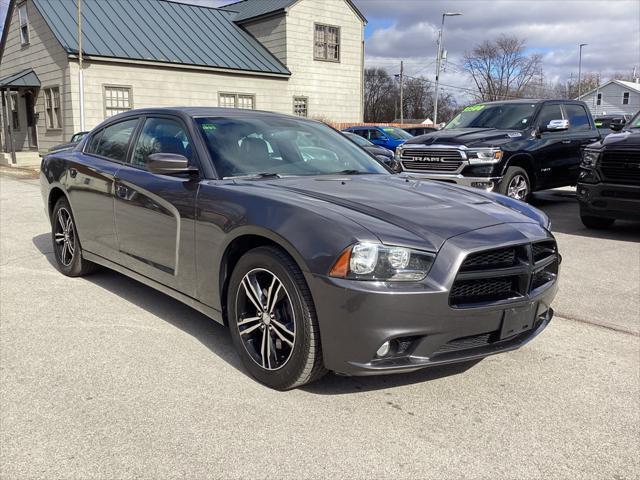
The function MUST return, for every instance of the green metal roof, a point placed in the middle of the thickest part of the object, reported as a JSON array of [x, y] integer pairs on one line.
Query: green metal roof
[[158, 30], [249, 9], [25, 78]]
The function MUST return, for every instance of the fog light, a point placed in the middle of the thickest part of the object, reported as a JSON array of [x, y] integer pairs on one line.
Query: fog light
[[483, 185], [384, 349]]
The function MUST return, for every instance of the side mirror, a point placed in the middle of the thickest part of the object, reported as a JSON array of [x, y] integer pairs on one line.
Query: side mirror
[[169, 164], [555, 126], [616, 126]]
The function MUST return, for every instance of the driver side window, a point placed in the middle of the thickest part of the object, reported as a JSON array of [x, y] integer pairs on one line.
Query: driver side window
[[161, 135], [375, 135]]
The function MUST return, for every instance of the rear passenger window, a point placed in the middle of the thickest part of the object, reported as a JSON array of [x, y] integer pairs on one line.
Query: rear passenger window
[[114, 140], [578, 118], [548, 113], [161, 135]]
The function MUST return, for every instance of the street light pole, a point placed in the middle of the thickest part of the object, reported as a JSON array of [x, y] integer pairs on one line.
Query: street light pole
[[580, 68], [439, 64]]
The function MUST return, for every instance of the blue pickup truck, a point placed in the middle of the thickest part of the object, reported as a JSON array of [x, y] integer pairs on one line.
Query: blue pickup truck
[[387, 137]]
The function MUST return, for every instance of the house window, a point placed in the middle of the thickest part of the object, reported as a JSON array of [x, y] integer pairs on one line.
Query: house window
[[52, 107], [117, 100], [300, 106], [625, 98], [599, 101], [15, 114], [327, 43], [237, 100], [24, 24]]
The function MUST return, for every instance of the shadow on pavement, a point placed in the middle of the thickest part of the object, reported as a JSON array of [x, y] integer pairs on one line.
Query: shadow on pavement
[[562, 208]]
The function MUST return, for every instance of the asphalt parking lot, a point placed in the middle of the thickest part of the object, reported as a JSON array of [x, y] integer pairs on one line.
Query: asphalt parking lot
[[102, 377]]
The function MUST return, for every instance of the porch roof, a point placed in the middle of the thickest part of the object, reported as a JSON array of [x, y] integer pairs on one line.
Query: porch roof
[[25, 78]]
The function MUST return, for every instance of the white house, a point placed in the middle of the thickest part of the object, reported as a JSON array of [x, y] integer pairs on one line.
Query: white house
[[302, 57], [616, 97]]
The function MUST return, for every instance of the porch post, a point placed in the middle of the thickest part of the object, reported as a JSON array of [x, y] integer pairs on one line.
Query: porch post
[[6, 94]]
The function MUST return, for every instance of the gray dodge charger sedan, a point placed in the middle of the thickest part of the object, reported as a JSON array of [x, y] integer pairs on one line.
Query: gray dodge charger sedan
[[313, 254]]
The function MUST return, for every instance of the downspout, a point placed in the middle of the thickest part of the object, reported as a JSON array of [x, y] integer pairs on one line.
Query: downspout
[[6, 96]]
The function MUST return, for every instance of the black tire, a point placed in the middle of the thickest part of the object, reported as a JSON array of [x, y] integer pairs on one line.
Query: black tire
[[290, 360], [66, 243], [512, 176], [596, 222]]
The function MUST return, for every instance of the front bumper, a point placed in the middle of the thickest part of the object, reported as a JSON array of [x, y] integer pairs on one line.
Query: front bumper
[[485, 183], [357, 317], [609, 200]]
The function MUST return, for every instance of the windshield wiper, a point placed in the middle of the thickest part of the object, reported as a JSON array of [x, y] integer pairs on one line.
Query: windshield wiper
[[350, 172], [256, 175]]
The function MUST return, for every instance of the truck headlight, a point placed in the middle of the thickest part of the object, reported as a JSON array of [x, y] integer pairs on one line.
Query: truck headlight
[[484, 155], [398, 154], [373, 261], [590, 158]]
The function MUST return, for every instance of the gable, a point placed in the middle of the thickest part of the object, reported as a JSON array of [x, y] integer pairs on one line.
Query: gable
[[252, 9], [159, 31]]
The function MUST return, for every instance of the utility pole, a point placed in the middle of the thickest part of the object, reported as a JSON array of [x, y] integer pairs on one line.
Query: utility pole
[[580, 69], [80, 72], [439, 65], [401, 92]]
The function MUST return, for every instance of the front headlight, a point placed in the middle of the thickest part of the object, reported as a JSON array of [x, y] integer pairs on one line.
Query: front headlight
[[590, 158], [398, 154], [373, 261], [484, 156]]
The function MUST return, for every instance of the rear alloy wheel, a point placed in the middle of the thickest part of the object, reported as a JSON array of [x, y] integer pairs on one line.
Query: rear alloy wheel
[[516, 184], [66, 244], [272, 320], [596, 222]]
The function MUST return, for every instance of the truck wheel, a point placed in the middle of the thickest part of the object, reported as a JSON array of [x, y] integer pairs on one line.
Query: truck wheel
[[516, 184], [596, 222]]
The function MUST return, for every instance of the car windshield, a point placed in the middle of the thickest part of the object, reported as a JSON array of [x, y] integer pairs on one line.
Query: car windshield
[[635, 121], [363, 142], [274, 146], [502, 116], [396, 133]]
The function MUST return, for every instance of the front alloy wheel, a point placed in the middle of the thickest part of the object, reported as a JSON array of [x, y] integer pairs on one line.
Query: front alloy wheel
[[273, 321], [267, 322], [516, 184]]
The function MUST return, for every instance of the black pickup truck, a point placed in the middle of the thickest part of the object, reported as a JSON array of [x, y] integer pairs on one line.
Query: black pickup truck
[[609, 181], [513, 147]]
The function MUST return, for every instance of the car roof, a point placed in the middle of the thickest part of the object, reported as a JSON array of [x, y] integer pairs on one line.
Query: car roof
[[209, 112]]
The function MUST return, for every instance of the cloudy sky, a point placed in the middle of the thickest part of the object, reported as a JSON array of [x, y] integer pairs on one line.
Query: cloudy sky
[[407, 30]]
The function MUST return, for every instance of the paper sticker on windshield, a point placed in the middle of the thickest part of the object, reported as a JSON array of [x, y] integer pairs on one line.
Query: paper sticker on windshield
[[473, 108], [598, 124], [388, 129], [209, 127]]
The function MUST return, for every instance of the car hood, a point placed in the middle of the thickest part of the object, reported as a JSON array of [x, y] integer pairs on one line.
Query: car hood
[[470, 137], [405, 211], [379, 151], [626, 139]]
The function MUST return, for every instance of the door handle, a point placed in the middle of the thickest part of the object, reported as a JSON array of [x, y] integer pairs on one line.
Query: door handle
[[73, 172], [121, 191]]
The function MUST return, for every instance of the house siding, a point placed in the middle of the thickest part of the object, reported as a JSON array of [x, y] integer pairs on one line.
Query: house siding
[[271, 33], [334, 89], [169, 87], [612, 101], [49, 61]]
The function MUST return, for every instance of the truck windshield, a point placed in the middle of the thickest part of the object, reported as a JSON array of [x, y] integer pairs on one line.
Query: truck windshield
[[503, 116], [397, 133], [635, 121]]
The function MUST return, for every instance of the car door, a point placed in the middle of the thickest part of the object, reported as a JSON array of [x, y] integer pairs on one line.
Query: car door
[[90, 185], [552, 149], [581, 133], [154, 213], [378, 138]]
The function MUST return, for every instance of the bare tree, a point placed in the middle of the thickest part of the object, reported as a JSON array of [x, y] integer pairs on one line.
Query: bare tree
[[379, 95], [501, 69]]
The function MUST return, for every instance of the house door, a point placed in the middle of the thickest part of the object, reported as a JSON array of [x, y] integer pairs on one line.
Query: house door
[[32, 133]]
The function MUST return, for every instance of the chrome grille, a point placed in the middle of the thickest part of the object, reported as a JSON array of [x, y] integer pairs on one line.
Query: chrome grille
[[431, 159]]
